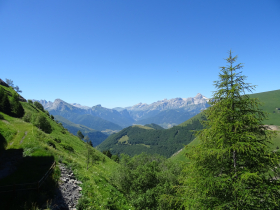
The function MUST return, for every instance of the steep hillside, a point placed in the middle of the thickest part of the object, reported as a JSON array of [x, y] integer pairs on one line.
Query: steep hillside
[[271, 100], [96, 137], [136, 139], [36, 151]]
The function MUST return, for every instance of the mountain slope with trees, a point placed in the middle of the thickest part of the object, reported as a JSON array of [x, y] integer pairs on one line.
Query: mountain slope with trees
[[96, 137], [136, 139]]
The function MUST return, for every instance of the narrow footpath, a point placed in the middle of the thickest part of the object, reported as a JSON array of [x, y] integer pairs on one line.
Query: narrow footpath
[[68, 192]]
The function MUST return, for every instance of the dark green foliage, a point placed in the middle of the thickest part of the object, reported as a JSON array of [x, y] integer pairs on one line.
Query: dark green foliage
[[147, 180], [17, 109], [115, 158], [80, 135], [90, 143], [27, 116], [2, 93], [57, 140], [233, 167], [38, 106], [164, 142], [42, 123], [52, 117], [51, 143], [30, 101], [107, 153], [67, 147], [1, 117], [5, 105], [46, 111]]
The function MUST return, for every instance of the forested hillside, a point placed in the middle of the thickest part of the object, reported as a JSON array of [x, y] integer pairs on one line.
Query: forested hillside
[[136, 139]]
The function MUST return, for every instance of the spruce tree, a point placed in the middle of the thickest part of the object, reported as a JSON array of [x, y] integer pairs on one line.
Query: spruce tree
[[233, 166], [16, 106], [5, 105], [80, 135], [2, 93]]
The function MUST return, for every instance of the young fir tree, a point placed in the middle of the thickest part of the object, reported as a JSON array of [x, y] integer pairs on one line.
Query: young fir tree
[[5, 105], [233, 167], [16, 106], [2, 93], [80, 135]]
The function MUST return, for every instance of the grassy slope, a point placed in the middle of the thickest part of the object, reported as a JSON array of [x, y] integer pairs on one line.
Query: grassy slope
[[271, 100], [96, 187]]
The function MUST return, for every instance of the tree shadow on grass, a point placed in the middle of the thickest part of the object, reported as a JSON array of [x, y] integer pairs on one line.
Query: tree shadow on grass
[[29, 170]]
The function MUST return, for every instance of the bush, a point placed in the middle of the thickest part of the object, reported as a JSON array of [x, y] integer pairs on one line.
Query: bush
[[1, 117], [51, 143], [146, 180], [27, 117], [107, 153], [30, 101], [42, 123], [38, 105], [57, 140], [115, 158], [67, 147]]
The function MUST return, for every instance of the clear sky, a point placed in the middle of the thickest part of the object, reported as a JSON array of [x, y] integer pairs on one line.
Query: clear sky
[[118, 53]]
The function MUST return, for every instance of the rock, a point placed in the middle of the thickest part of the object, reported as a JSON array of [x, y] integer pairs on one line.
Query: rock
[[68, 193]]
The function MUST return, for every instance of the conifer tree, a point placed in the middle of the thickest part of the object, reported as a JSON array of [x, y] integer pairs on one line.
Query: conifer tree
[[5, 105], [16, 106], [233, 166], [80, 135], [2, 93]]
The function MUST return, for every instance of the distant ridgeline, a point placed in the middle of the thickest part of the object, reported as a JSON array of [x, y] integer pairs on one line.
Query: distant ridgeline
[[96, 137], [137, 139]]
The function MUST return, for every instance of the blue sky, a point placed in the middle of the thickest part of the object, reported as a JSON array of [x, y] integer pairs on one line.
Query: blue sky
[[121, 52]]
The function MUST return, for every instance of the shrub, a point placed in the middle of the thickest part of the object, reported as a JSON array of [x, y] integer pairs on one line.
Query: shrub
[[38, 105], [51, 143], [42, 123], [1, 117], [67, 147], [107, 153], [115, 158], [27, 117], [30, 101], [57, 140]]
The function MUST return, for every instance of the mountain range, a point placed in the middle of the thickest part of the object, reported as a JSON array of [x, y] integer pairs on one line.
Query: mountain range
[[165, 113]]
